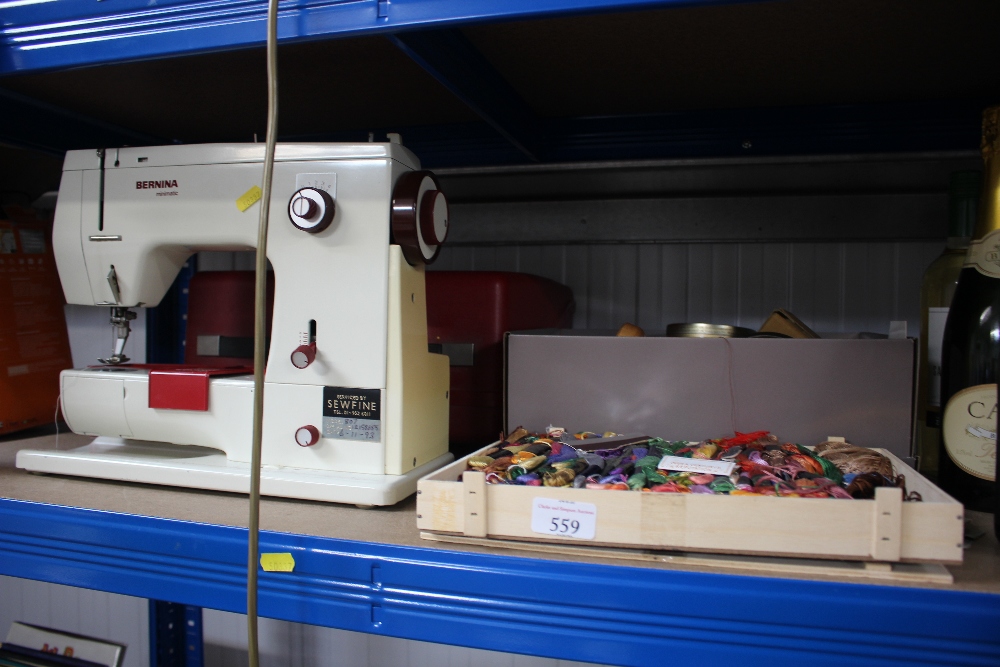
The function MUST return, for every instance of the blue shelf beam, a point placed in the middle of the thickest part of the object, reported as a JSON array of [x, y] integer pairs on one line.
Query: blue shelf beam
[[28, 123], [451, 59], [45, 34], [577, 611]]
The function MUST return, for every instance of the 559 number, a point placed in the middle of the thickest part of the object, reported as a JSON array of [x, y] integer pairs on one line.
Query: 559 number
[[563, 518], [564, 526]]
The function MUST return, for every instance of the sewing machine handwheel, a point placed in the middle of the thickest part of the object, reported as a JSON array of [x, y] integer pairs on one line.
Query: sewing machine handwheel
[[419, 217], [311, 209]]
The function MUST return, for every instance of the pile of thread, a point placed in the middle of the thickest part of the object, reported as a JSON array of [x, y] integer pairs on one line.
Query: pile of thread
[[762, 465]]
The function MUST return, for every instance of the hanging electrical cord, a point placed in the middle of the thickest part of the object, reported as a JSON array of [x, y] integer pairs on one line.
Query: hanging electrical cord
[[259, 326]]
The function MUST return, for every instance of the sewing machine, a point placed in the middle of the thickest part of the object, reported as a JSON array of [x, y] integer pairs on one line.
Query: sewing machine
[[355, 407]]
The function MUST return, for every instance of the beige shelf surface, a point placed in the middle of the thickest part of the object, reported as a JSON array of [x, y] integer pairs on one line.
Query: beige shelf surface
[[980, 571]]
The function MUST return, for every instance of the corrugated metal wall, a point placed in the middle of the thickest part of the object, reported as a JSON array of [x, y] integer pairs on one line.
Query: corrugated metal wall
[[834, 287]]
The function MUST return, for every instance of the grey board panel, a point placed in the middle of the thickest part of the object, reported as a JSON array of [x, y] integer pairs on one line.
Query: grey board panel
[[675, 388], [863, 217]]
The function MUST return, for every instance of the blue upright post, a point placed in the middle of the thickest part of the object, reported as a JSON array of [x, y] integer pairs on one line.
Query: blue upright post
[[175, 638]]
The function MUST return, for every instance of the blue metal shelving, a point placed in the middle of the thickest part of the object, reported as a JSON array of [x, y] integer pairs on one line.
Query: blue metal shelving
[[45, 34], [615, 614], [578, 611]]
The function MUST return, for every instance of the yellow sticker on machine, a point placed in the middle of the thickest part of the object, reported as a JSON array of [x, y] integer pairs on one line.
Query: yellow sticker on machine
[[277, 562], [249, 198]]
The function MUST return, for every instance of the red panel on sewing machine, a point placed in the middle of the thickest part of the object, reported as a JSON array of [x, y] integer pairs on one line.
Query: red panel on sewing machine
[[184, 388]]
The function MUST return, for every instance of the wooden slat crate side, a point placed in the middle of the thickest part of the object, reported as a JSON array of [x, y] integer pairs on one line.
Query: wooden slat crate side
[[933, 532], [619, 513], [738, 524], [439, 506], [800, 526], [888, 530]]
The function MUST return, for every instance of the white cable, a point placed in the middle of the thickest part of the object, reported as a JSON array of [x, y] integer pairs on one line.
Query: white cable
[[259, 326]]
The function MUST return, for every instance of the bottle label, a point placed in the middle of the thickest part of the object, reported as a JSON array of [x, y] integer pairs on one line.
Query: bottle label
[[984, 254], [969, 429], [936, 318]]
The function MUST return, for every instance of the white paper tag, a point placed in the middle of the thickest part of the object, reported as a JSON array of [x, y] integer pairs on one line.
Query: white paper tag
[[564, 518], [682, 464]]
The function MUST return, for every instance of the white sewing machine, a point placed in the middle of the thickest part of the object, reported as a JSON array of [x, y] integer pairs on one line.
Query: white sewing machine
[[355, 407]]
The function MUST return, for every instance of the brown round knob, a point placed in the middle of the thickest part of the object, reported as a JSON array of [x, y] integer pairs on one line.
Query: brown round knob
[[303, 207], [419, 217], [311, 209], [307, 436]]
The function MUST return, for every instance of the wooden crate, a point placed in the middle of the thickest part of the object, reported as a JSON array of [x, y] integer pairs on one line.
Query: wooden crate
[[884, 529]]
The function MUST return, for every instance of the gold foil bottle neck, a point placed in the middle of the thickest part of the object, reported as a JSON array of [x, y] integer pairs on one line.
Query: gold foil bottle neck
[[991, 137]]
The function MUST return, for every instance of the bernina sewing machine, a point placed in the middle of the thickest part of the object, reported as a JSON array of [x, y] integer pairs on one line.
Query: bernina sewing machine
[[355, 407]]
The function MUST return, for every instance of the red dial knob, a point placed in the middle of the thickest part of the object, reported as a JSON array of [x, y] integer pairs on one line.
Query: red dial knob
[[304, 355], [307, 436]]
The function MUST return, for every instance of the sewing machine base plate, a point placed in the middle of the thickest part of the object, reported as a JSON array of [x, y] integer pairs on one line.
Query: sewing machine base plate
[[205, 468]]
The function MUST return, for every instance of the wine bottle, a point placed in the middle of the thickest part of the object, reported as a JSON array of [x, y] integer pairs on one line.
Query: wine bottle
[[967, 465], [936, 291]]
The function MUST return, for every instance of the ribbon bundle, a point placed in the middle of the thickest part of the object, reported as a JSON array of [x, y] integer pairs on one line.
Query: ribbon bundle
[[763, 465]]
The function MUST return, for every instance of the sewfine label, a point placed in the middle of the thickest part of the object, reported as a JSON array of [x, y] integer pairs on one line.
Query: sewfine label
[[682, 464], [564, 518], [352, 414]]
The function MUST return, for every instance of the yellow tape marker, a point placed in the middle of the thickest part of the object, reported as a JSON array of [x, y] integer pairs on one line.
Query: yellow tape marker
[[249, 198], [277, 562]]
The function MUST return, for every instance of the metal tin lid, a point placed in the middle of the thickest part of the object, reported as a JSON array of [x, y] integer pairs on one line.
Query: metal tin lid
[[704, 330]]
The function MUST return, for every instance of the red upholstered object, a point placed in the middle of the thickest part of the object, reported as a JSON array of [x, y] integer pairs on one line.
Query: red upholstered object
[[479, 307], [220, 303]]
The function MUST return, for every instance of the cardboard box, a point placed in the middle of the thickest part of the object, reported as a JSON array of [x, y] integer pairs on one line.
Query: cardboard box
[[694, 388]]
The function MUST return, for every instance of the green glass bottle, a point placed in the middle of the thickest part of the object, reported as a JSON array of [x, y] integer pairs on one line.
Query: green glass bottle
[[936, 292], [967, 459]]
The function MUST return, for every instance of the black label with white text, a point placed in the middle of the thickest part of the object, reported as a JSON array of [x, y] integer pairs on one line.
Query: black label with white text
[[352, 414]]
